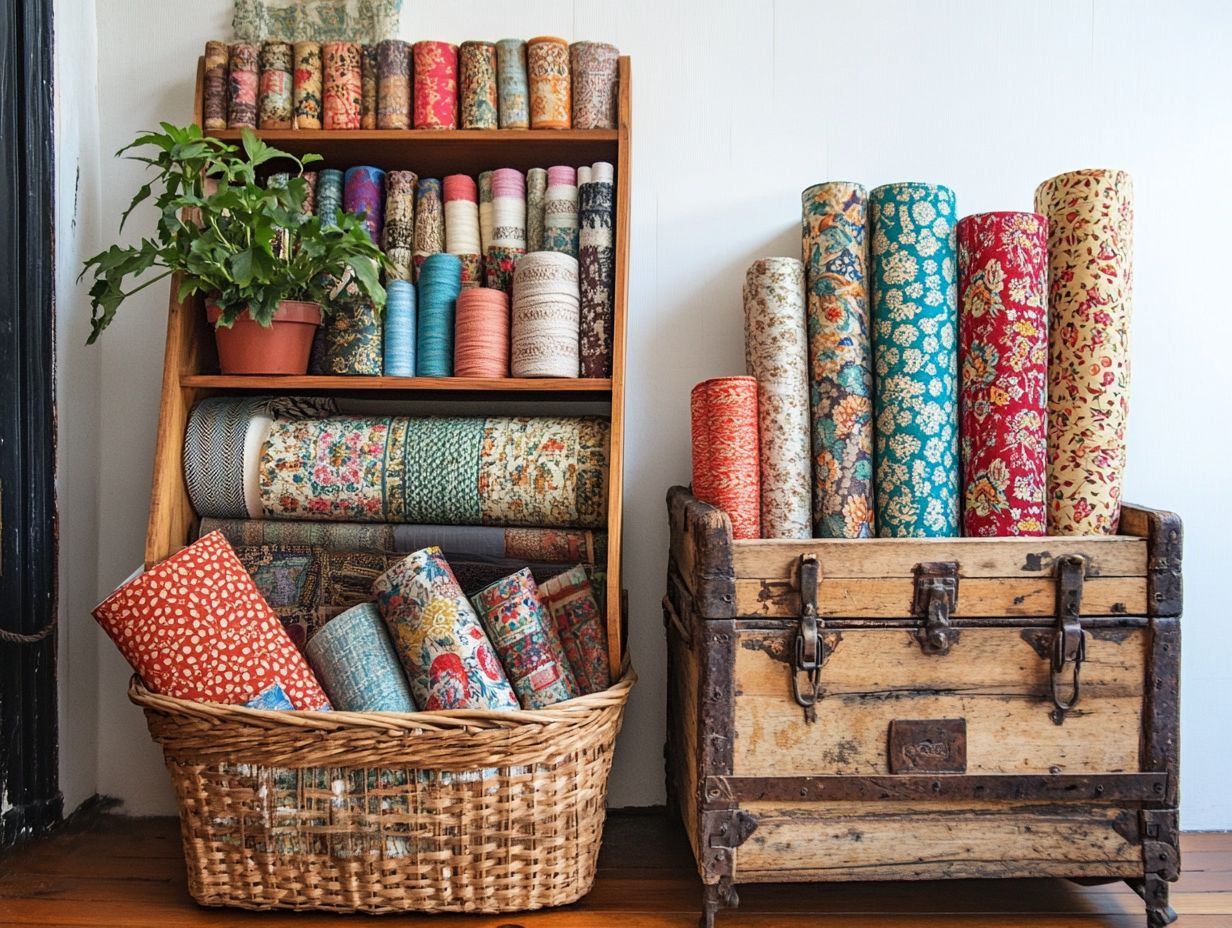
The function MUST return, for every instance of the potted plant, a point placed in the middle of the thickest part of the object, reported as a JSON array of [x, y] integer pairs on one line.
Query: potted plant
[[265, 267]]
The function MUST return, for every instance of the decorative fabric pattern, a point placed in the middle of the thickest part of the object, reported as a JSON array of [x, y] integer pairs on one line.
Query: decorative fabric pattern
[[547, 72], [526, 641], [368, 86], [429, 223], [560, 211], [477, 85], [329, 536], [214, 441], [595, 80], [195, 627], [840, 359], [536, 195], [1003, 364], [289, 577], [511, 83], [214, 86], [776, 354], [343, 84], [356, 663], [725, 450], [364, 195], [275, 97], [436, 85], [915, 354], [393, 106], [545, 316], [399, 230], [354, 20], [597, 270], [1090, 305], [353, 339], [579, 622], [273, 699], [242, 80], [449, 662], [307, 85]]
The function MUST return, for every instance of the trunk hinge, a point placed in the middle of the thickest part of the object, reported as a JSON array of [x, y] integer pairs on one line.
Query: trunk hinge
[[934, 601], [1160, 841], [809, 654], [730, 829], [1069, 643]]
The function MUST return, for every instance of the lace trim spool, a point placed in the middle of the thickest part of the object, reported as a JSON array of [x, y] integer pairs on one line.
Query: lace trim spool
[[544, 327]]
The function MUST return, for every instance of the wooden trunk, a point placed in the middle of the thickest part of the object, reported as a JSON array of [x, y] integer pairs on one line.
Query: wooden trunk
[[906, 709]]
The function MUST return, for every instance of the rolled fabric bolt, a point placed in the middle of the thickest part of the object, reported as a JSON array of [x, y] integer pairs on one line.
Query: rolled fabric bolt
[[399, 232], [440, 281], [1090, 305], [242, 80], [214, 86], [282, 238], [436, 85], [367, 86], [776, 354], [357, 665], [393, 99], [1003, 371], [353, 338], [343, 84], [330, 182], [547, 72], [310, 194], [274, 104], [429, 221], [723, 411], [364, 195], [570, 601], [481, 334], [594, 81], [400, 329], [477, 85], [511, 82], [462, 226], [307, 85], [560, 211], [597, 269], [544, 326], [508, 227], [536, 194], [485, 215]]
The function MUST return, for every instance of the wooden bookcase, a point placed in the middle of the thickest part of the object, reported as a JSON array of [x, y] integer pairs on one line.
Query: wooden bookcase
[[191, 365]]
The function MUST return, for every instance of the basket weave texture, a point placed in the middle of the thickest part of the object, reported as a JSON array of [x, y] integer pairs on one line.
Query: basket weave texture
[[456, 811]]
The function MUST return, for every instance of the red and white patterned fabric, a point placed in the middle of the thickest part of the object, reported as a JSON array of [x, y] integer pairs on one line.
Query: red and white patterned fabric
[[196, 627], [725, 450]]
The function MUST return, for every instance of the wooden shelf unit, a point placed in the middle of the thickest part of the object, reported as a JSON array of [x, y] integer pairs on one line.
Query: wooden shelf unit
[[190, 365]]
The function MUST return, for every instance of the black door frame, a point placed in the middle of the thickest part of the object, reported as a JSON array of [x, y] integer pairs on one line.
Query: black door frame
[[29, 776]]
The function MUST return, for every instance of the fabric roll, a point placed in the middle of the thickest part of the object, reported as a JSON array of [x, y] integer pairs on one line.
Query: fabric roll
[[485, 215], [1090, 304], [481, 334], [462, 237], [449, 661], [915, 356], [526, 641], [214, 86], [259, 424], [393, 98], [330, 184], [478, 102], [776, 354], [272, 699], [597, 270], [309, 207], [508, 227], [274, 103], [399, 231], [536, 196], [440, 281], [833, 222], [512, 87], [353, 337], [343, 84], [368, 67], [243, 76], [1003, 372], [400, 329], [363, 194], [357, 665], [547, 73], [544, 325], [429, 222], [436, 85], [307, 85], [560, 211], [725, 453], [595, 82], [571, 604], [214, 441]]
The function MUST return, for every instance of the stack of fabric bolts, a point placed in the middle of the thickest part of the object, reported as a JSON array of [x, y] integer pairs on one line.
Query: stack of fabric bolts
[[982, 364]]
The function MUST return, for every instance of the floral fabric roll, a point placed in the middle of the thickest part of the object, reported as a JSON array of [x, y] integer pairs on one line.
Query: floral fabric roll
[[511, 83], [597, 270], [776, 354], [1090, 304], [536, 195], [242, 80], [579, 622], [526, 641], [275, 111], [547, 71], [725, 451], [840, 359], [429, 222], [368, 86], [399, 230], [508, 228], [214, 86], [915, 354], [477, 85], [353, 339], [595, 80], [393, 104], [343, 82], [436, 85], [1003, 366], [449, 662], [307, 86], [560, 211], [357, 665], [363, 194]]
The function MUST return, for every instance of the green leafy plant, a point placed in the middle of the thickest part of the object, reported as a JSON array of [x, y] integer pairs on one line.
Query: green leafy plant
[[244, 245]]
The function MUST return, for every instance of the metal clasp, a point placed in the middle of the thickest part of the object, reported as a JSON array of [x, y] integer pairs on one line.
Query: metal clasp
[[1069, 643], [808, 657], [935, 599]]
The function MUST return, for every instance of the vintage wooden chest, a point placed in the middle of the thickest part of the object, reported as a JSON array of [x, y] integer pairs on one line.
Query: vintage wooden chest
[[916, 709]]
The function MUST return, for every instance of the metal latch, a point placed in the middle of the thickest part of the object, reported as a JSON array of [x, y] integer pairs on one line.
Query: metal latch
[[935, 599], [808, 655], [1069, 643]]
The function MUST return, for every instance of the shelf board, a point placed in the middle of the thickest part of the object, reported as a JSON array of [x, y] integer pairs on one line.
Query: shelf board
[[595, 387]]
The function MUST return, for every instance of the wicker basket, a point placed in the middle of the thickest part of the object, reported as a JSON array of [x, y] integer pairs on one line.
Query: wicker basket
[[459, 811]]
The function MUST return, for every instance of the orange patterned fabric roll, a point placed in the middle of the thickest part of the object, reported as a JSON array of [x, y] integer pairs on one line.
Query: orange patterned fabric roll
[[547, 68], [725, 450], [343, 84]]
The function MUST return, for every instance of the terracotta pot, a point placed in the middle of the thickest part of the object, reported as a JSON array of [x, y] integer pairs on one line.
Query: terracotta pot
[[283, 348]]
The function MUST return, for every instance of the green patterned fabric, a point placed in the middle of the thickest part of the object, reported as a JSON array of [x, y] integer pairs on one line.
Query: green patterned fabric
[[442, 470], [319, 20]]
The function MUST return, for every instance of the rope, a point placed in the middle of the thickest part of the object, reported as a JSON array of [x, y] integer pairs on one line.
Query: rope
[[17, 638]]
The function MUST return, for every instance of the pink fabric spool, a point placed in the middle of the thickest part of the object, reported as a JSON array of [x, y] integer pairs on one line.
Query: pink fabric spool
[[562, 175], [436, 85], [508, 182], [481, 334], [460, 187]]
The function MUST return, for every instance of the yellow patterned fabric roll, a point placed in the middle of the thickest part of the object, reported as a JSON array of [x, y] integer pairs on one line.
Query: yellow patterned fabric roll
[[1090, 300]]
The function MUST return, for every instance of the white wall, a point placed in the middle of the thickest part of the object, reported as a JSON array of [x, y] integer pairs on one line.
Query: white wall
[[737, 107]]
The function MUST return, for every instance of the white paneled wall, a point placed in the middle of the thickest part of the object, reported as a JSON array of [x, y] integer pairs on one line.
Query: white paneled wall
[[738, 105]]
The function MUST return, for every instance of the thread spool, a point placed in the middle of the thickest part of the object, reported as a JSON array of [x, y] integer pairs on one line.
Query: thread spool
[[400, 329], [242, 80], [399, 232], [477, 86], [393, 96], [368, 86], [560, 211], [508, 227], [597, 268], [594, 82], [329, 195], [536, 195], [436, 85], [342, 79], [547, 73], [462, 226], [544, 326], [481, 333], [440, 281], [429, 221], [511, 83], [725, 450], [306, 85], [364, 195], [214, 86]]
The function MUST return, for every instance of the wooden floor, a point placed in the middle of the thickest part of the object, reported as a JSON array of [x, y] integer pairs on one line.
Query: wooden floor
[[115, 871]]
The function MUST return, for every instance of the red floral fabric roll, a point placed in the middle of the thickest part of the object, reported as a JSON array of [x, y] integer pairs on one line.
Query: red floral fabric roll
[[1003, 350], [343, 83], [436, 85], [725, 450]]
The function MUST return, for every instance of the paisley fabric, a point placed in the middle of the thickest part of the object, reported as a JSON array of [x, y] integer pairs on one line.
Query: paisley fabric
[[356, 663], [597, 272], [579, 622], [595, 84], [477, 85], [393, 107], [1003, 364], [1090, 305], [399, 229], [725, 450], [915, 353], [353, 339], [449, 661], [547, 71], [833, 221], [368, 86], [353, 20], [429, 222]]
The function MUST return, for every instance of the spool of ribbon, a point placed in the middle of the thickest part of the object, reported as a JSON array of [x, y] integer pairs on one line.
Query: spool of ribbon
[[481, 334], [833, 220], [595, 82], [343, 82], [399, 232], [508, 227], [1003, 371], [440, 281], [1090, 303], [400, 329], [597, 269], [436, 85], [511, 83], [368, 86], [462, 226], [357, 664], [485, 215], [307, 86], [545, 316], [275, 100], [477, 85], [915, 355], [393, 98], [560, 211], [364, 195], [214, 86], [725, 453], [536, 195], [547, 71], [329, 195], [429, 221], [242, 80], [571, 603], [776, 354]]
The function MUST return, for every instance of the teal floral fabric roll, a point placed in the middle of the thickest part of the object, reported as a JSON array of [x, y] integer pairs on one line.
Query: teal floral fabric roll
[[357, 665], [915, 357]]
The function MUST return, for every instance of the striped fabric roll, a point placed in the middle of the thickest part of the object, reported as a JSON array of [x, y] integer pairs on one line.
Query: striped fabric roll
[[477, 85], [399, 230], [462, 226], [725, 450], [511, 84], [306, 85], [368, 66], [536, 195], [436, 85], [343, 83], [393, 92], [508, 227], [597, 270], [214, 458], [214, 86], [595, 80], [560, 211], [429, 222], [571, 603], [357, 665], [440, 281], [243, 76], [400, 329]]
